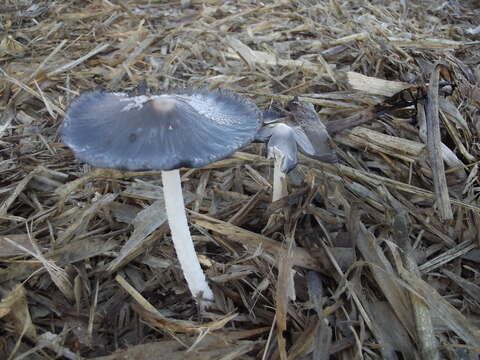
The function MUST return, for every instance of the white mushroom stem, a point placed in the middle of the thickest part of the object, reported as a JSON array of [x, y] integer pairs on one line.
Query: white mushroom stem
[[279, 191], [182, 240], [279, 179]]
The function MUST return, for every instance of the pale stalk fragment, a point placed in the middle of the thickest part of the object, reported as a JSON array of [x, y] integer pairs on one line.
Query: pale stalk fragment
[[434, 141], [423, 319], [181, 237], [422, 315]]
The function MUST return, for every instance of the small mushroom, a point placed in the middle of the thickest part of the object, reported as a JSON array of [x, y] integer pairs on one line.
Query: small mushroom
[[282, 147], [306, 133], [162, 132]]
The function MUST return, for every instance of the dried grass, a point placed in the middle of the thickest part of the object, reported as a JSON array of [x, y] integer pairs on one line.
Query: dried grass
[[374, 257]]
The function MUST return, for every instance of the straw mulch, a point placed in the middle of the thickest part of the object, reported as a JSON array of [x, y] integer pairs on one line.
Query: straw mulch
[[375, 257]]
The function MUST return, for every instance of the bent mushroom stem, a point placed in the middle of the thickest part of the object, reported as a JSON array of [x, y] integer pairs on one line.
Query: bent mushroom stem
[[182, 240], [279, 179]]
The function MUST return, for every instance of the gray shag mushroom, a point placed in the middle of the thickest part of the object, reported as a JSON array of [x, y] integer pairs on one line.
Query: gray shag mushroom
[[162, 132], [306, 134], [282, 147], [283, 142]]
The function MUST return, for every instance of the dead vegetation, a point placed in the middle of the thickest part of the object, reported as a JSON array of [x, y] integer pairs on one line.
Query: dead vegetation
[[374, 257]]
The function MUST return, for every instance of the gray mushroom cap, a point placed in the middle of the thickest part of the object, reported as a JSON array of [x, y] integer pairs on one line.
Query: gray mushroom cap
[[163, 132], [281, 142]]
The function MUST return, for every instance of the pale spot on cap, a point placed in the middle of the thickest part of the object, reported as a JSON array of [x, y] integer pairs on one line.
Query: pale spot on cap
[[163, 104]]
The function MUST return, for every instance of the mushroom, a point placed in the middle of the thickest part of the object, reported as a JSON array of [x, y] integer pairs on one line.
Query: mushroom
[[306, 133], [162, 132], [282, 147]]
